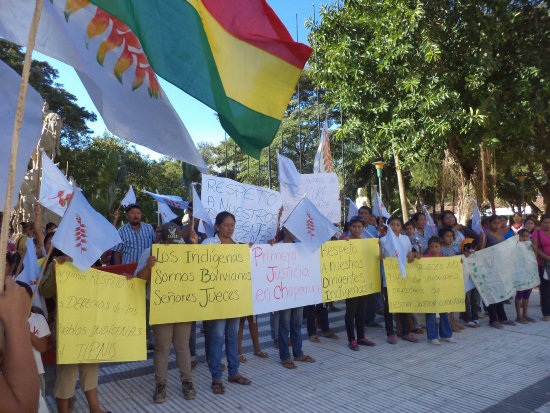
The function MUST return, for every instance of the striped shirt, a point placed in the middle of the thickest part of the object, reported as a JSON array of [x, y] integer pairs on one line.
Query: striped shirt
[[134, 242]]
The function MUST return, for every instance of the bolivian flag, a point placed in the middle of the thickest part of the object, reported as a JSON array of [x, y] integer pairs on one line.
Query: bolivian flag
[[235, 56]]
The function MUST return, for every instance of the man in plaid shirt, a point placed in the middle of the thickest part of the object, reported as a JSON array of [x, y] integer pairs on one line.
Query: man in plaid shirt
[[136, 236]]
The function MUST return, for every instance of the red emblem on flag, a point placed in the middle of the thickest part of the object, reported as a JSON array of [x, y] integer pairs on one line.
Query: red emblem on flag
[[63, 199], [80, 235], [310, 224]]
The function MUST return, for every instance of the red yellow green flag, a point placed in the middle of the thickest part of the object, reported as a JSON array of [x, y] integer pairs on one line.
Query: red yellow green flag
[[235, 56]]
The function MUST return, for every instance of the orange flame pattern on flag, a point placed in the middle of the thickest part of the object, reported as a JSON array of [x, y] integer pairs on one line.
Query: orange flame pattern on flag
[[120, 35]]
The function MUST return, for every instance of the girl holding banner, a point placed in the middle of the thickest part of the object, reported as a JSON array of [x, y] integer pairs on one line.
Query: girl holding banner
[[219, 331]]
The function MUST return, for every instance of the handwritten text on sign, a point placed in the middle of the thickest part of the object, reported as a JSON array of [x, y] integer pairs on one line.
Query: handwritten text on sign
[[432, 285], [255, 208], [284, 276], [502, 269], [200, 282], [350, 268], [101, 317], [323, 190]]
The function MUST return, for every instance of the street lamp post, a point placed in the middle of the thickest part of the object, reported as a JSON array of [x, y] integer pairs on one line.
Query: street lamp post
[[379, 165]]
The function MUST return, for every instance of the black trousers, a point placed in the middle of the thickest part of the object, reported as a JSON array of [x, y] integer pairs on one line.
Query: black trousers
[[544, 289], [496, 312], [355, 317], [310, 313]]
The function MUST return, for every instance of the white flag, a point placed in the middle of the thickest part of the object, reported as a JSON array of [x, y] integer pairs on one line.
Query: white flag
[[309, 226], [323, 158], [394, 246], [30, 130], [288, 174], [476, 219], [129, 198], [378, 205], [166, 213], [55, 190], [113, 68], [31, 273], [352, 210], [429, 220], [205, 224], [172, 200], [84, 234]]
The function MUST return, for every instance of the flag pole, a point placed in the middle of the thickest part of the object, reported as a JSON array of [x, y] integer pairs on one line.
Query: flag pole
[[18, 121], [299, 114]]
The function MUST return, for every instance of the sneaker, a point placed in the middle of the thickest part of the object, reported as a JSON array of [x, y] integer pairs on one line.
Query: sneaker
[[353, 345], [521, 320], [435, 342], [471, 324], [392, 339], [449, 340], [160, 393], [189, 392], [409, 337], [476, 322]]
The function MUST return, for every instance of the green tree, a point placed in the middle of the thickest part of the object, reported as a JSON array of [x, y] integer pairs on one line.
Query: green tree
[[438, 80]]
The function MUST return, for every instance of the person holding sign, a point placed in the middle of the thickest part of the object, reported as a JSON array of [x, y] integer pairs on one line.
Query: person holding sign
[[356, 306], [290, 322], [67, 374], [541, 240], [223, 330], [445, 329], [396, 225], [166, 335]]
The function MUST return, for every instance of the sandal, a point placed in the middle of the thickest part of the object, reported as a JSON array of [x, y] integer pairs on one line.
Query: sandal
[[239, 380], [261, 354], [218, 387], [314, 339], [288, 363], [353, 345], [330, 334], [305, 359], [242, 358], [366, 342]]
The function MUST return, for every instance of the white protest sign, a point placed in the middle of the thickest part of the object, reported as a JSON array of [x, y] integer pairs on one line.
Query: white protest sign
[[499, 271], [255, 208], [284, 276], [323, 190]]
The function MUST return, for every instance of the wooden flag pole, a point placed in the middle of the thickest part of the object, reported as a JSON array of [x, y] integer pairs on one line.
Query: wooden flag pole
[[18, 121]]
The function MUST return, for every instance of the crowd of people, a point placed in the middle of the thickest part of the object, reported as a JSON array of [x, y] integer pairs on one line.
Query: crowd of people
[[444, 238]]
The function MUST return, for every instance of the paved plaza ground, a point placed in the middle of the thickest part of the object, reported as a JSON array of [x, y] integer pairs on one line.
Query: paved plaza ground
[[488, 370]]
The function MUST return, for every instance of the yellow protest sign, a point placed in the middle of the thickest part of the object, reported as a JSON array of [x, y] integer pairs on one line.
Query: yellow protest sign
[[350, 268], [100, 317], [200, 282], [432, 285]]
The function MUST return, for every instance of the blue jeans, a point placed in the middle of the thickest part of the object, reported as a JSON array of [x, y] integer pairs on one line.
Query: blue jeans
[[274, 324], [290, 319], [445, 329], [220, 331]]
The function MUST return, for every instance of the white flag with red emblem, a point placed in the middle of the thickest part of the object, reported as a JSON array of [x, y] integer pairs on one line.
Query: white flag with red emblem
[[323, 158], [84, 234], [166, 213], [55, 190], [31, 273], [309, 226]]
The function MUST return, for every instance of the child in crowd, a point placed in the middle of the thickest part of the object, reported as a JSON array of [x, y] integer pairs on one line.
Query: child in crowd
[[522, 297], [396, 225], [445, 329], [356, 306], [415, 242]]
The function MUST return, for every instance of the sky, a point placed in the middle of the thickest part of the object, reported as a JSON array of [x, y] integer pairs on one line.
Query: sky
[[199, 119]]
